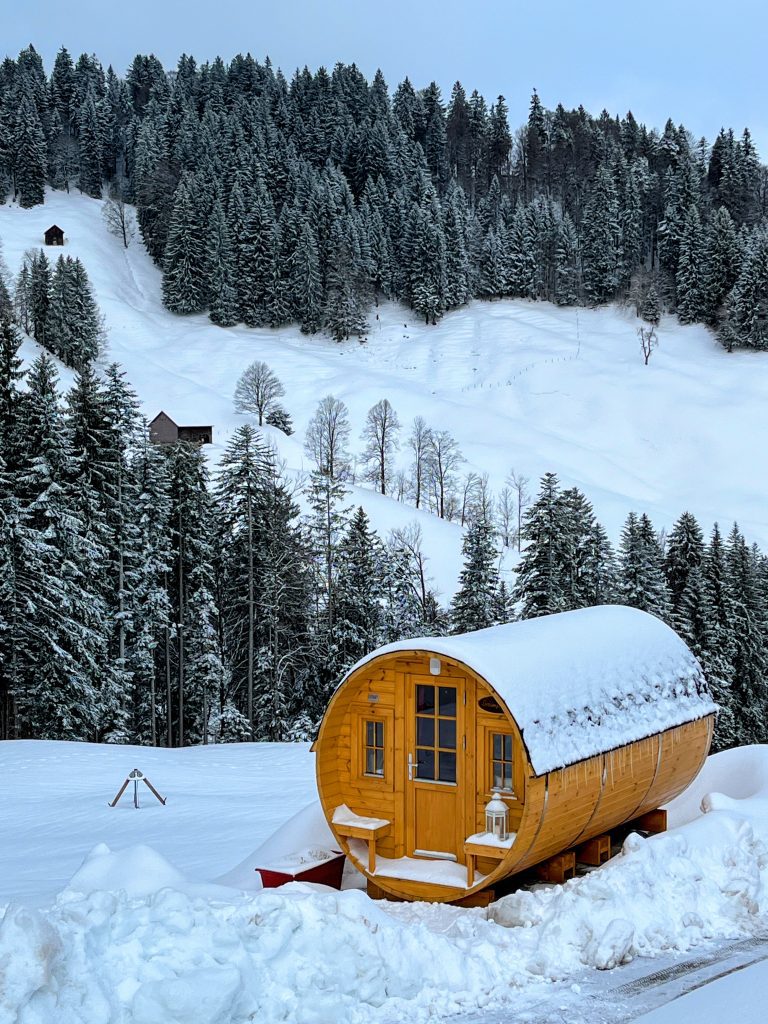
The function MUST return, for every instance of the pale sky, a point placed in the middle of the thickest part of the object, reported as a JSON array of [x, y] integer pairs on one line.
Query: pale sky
[[702, 63]]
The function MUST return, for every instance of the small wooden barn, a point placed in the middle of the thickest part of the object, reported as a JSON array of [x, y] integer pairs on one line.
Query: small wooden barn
[[580, 722], [54, 235], [163, 430]]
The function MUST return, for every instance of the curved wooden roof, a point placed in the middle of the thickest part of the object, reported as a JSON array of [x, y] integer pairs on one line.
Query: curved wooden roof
[[581, 683]]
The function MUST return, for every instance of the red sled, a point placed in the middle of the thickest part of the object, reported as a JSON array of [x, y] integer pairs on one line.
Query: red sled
[[327, 872]]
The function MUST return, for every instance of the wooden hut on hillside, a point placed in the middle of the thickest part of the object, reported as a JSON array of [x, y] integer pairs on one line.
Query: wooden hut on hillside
[[54, 235], [163, 430], [579, 722]]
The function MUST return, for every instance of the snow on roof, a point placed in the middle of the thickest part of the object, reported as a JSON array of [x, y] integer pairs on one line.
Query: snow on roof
[[584, 682]]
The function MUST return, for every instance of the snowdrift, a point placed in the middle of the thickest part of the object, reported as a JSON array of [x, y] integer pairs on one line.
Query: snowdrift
[[168, 952]]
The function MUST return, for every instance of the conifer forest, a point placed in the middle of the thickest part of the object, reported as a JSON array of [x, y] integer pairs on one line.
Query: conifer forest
[[147, 598]]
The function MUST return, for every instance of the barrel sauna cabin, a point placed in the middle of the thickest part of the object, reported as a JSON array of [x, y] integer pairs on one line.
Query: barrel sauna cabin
[[582, 721]]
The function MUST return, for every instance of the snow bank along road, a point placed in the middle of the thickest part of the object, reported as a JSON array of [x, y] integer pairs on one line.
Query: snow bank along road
[[141, 934]]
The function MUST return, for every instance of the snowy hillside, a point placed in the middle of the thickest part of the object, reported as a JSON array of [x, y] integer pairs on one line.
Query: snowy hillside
[[139, 933], [524, 385]]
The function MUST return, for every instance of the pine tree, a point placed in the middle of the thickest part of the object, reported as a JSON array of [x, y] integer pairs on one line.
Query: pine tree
[[220, 271], [358, 624], [306, 283], [746, 320], [642, 583], [30, 155], [475, 604], [540, 584], [599, 248], [690, 270], [184, 288]]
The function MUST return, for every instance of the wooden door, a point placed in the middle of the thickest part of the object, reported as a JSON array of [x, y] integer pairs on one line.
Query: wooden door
[[435, 787]]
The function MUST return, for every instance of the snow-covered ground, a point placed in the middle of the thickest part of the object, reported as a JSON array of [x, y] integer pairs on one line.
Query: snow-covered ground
[[146, 930], [524, 385]]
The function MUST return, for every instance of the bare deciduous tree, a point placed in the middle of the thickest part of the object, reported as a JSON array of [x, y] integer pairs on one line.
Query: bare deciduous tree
[[519, 485], [380, 435], [327, 438], [119, 218], [444, 461], [506, 515], [419, 443], [648, 341], [258, 390], [408, 538]]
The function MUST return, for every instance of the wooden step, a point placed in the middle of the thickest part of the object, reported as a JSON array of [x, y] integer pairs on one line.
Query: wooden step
[[595, 851], [559, 868]]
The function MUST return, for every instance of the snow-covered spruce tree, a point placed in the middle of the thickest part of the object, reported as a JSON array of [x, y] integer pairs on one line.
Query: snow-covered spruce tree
[[265, 598], [457, 290], [39, 294], [73, 326], [194, 667], [539, 586], [425, 243], [642, 583], [344, 313], [29, 165], [718, 657], [599, 248], [650, 311], [722, 261], [220, 270], [257, 252], [12, 415], [326, 523], [381, 441], [146, 649], [96, 501], [750, 654], [689, 281], [474, 605], [684, 554], [184, 283], [589, 570], [746, 317], [306, 283], [358, 626], [90, 147]]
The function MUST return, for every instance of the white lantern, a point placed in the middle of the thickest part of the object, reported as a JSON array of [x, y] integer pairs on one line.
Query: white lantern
[[497, 817]]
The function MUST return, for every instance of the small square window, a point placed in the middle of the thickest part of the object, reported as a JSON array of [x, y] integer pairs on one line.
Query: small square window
[[373, 748], [502, 762]]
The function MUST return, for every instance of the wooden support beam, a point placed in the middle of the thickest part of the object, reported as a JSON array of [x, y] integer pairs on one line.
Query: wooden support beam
[[559, 868], [652, 822], [595, 851]]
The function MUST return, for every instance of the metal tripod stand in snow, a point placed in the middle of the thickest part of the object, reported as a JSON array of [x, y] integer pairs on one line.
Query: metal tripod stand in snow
[[136, 777]]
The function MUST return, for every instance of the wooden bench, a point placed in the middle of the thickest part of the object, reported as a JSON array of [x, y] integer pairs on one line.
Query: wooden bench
[[369, 833]]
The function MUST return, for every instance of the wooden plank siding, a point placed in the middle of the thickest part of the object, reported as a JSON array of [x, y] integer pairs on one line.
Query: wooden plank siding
[[551, 813]]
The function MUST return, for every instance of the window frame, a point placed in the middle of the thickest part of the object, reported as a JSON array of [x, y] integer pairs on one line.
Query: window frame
[[375, 747], [360, 714], [511, 790]]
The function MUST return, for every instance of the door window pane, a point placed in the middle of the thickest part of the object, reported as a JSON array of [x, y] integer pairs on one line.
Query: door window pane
[[425, 764], [425, 732], [447, 767], [447, 733], [448, 701], [425, 700]]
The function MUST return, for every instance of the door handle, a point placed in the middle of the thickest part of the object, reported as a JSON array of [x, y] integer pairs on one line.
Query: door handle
[[410, 767]]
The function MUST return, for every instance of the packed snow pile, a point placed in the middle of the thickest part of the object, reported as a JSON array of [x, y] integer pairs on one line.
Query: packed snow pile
[[171, 953], [583, 682]]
